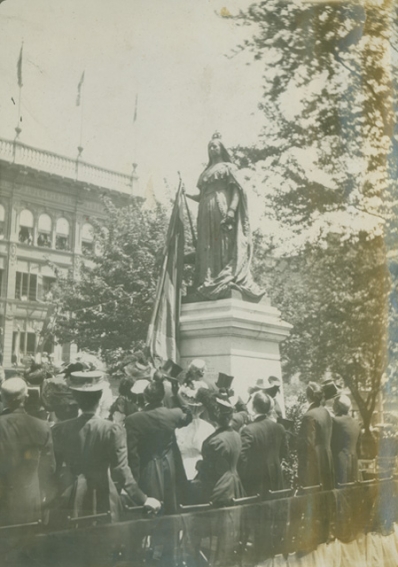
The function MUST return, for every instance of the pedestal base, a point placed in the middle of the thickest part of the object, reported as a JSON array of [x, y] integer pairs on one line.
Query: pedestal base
[[235, 337]]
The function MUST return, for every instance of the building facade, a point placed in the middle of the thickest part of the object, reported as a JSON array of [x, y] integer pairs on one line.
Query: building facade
[[47, 206]]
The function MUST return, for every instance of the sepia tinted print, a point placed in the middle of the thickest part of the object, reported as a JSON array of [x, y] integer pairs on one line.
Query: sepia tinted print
[[198, 283]]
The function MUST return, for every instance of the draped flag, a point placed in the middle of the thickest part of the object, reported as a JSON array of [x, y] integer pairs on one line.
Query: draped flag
[[162, 338], [79, 89], [19, 67]]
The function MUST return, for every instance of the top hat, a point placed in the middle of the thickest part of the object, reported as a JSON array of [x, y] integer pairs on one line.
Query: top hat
[[224, 381], [90, 381], [172, 371], [329, 388]]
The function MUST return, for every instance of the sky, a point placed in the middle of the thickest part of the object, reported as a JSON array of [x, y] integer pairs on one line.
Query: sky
[[176, 56]]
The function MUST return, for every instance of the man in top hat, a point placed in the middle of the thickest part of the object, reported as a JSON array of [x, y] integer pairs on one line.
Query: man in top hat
[[217, 472], [170, 373], [345, 441], [263, 447], [95, 452], [240, 416], [27, 461]]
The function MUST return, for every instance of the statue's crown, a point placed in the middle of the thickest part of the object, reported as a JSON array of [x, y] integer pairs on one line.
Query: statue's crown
[[216, 135]]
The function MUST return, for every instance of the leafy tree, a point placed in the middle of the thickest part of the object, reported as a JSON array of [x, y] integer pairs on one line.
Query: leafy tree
[[325, 161], [107, 308]]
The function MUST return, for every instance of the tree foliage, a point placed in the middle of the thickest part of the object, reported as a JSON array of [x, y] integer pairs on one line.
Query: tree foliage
[[325, 160], [107, 307]]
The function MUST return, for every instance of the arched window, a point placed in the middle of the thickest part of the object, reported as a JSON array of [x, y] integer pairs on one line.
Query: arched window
[[2, 222], [87, 239], [25, 235], [62, 234], [44, 236]]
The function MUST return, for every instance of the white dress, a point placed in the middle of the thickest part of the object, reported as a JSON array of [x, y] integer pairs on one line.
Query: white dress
[[190, 440]]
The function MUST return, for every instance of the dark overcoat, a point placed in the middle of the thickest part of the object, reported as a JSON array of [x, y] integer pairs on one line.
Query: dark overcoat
[[218, 470], [315, 463], [345, 448], [154, 456], [95, 452], [27, 465], [263, 447]]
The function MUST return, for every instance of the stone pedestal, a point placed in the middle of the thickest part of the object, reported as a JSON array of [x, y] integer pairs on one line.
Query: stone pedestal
[[235, 337]]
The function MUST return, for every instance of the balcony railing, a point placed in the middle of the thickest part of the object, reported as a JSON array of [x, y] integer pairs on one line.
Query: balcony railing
[[43, 160]]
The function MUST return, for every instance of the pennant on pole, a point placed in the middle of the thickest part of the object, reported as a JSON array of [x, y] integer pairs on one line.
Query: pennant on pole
[[79, 89], [162, 338], [19, 67]]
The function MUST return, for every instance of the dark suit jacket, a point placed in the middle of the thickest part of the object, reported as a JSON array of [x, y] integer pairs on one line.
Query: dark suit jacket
[[27, 465], [153, 453], [218, 471], [263, 446], [315, 464], [345, 448], [96, 449]]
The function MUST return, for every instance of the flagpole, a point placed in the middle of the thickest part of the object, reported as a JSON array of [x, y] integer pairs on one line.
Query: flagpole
[[80, 147], [80, 102], [134, 147], [18, 128]]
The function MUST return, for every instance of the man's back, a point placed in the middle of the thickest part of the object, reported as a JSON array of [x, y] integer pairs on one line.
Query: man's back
[[150, 433], [263, 446], [26, 466], [93, 447], [345, 439]]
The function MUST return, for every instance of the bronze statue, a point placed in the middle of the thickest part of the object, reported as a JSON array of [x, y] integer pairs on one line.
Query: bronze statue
[[224, 245]]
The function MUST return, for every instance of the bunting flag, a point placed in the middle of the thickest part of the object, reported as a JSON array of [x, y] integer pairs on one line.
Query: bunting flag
[[162, 338], [19, 67], [135, 108], [79, 89]]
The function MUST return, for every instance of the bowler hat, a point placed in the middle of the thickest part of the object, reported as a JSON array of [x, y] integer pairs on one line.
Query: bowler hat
[[329, 388], [89, 381], [274, 381], [224, 380]]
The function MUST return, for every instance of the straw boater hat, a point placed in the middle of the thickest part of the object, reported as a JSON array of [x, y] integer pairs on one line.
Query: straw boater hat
[[261, 384], [89, 381]]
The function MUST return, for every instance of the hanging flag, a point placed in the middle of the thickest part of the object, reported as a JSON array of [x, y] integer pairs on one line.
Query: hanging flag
[[162, 338], [79, 89], [19, 67], [135, 109]]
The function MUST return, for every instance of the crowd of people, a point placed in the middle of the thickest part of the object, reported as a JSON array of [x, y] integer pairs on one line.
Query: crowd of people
[[69, 449]]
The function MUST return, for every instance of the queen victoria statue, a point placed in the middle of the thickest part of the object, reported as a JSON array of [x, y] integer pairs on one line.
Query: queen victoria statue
[[224, 245]]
